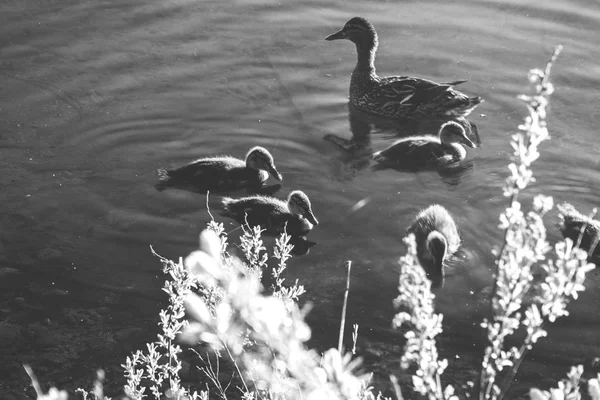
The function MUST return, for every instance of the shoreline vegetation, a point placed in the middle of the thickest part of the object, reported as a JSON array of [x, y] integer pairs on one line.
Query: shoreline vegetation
[[247, 339]]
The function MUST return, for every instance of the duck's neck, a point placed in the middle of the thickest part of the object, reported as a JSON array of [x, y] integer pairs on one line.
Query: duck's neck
[[365, 64]]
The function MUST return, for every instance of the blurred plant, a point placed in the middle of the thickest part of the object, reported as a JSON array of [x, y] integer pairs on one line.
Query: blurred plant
[[265, 335], [567, 388]]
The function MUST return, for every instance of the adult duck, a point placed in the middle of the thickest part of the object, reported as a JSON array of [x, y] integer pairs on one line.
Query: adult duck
[[295, 215], [397, 96], [437, 240], [221, 172], [419, 152], [576, 226]]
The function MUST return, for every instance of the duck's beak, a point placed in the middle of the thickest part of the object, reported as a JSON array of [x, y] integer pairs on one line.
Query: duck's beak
[[311, 218], [274, 173], [468, 142], [338, 35]]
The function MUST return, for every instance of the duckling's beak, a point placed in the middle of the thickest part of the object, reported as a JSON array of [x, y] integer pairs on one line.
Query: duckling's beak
[[338, 35], [468, 142], [311, 218], [274, 173]]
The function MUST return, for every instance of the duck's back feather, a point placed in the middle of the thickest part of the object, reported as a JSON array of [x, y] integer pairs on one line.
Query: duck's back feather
[[270, 213], [404, 96], [436, 218], [211, 173], [418, 152]]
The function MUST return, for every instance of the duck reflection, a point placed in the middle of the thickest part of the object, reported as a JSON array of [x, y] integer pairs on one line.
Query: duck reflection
[[301, 245], [424, 145]]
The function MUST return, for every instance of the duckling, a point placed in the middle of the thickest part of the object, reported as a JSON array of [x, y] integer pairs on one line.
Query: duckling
[[571, 224], [222, 172], [397, 96], [437, 240], [273, 214], [417, 152]]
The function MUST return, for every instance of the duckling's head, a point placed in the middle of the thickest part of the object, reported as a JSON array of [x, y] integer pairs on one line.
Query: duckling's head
[[259, 158], [299, 204], [436, 246], [357, 30], [453, 132]]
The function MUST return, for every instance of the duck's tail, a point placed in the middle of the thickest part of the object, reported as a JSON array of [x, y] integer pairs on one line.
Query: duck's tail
[[454, 83], [378, 157], [163, 179], [566, 214], [464, 106]]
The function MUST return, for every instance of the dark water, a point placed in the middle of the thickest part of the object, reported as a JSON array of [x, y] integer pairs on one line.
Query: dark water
[[95, 95]]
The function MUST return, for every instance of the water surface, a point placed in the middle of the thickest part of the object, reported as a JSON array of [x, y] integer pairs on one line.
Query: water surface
[[95, 95]]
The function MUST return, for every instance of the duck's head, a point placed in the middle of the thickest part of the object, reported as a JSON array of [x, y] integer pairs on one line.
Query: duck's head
[[453, 132], [436, 246], [357, 30], [259, 158], [299, 204]]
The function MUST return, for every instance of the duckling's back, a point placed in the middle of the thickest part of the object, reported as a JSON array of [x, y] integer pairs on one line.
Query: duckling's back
[[436, 218], [257, 208], [268, 212], [209, 174], [418, 152]]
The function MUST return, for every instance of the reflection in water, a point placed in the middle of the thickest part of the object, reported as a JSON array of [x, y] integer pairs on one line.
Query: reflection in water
[[301, 245], [417, 150]]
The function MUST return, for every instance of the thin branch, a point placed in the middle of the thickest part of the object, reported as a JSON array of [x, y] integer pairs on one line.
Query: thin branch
[[343, 321]]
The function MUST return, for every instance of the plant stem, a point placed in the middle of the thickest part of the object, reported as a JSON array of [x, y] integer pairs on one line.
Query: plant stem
[[343, 322], [234, 363]]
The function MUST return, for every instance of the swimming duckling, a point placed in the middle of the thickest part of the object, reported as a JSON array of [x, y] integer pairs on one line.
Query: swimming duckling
[[417, 152], [397, 96], [224, 172], [571, 224], [437, 239], [272, 214]]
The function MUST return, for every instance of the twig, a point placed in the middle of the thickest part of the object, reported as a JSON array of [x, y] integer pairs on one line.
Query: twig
[[207, 207], [34, 382], [396, 386], [343, 322], [354, 338]]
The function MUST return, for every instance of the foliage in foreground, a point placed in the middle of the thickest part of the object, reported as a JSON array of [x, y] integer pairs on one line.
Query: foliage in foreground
[[217, 299]]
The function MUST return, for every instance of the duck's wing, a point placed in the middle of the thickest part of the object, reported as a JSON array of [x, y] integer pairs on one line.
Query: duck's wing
[[405, 91]]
